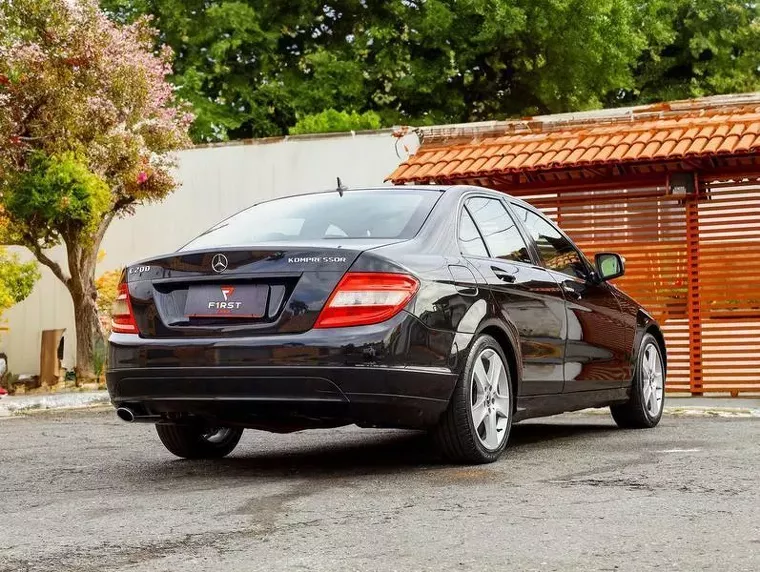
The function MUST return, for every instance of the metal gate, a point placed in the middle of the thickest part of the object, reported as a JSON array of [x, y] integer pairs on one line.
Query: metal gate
[[692, 259]]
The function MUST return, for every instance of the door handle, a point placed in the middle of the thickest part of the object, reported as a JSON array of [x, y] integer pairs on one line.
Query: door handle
[[503, 275], [570, 291]]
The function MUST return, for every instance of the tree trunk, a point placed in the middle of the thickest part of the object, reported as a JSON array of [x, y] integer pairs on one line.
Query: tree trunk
[[83, 292], [82, 254], [88, 331]]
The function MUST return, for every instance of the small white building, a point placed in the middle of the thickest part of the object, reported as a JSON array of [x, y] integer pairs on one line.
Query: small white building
[[216, 181]]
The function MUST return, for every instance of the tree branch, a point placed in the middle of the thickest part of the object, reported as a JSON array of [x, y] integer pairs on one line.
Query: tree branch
[[102, 228], [49, 262]]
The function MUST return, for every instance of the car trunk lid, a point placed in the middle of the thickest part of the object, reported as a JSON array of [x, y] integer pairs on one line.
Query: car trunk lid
[[239, 291]]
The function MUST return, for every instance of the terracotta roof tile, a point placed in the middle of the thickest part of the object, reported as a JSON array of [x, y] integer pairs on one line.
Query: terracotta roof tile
[[697, 145], [722, 130], [518, 161], [478, 152], [729, 143], [491, 163], [605, 152], [546, 159], [619, 151], [561, 156], [410, 172], [745, 142], [424, 169], [490, 151], [398, 173], [450, 156], [575, 155], [566, 143], [449, 168], [630, 138], [437, 168], [665, 149], [503, 164], [462, 168], [533, 159], [478, 164], [682, 146], [634, 151], [706, 131], [589, 155], [650, 149], [713, 144]]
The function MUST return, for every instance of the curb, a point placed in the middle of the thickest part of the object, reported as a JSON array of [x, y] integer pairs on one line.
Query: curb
[[686, 411], [18, 405]]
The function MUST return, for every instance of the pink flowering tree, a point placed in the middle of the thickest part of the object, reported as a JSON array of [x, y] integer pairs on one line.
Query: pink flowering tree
[[88, 127]]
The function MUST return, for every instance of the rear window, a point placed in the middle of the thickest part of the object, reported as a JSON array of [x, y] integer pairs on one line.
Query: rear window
[[389, 214]]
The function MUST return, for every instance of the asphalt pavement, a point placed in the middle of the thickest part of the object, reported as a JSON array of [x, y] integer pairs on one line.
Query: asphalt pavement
[[84, 492]]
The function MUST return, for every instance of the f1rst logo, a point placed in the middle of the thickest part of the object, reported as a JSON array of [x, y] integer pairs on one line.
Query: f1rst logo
[[227, 304]]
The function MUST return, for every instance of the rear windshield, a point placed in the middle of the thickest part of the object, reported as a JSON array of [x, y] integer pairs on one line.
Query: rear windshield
[[376, 214]]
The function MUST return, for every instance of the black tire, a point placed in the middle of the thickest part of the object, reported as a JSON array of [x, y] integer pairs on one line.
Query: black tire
[[638, 412], [198, 442], [456, 435]]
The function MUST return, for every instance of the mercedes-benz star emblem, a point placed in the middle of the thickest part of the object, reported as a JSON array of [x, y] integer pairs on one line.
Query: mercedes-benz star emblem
[[219, 263]]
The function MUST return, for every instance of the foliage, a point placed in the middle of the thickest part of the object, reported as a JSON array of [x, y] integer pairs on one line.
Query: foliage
[[707, 48], [107, 285], [56, 193], [251, 67], [88, 124], [17, 279], [99, 358], [9, 382], [331, 121]]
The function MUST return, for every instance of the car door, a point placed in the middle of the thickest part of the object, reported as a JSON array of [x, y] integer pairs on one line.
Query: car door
[[597, 355], [523, 292]]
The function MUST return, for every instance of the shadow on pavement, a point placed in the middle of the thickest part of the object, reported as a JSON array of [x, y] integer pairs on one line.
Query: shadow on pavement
[[370, 453]]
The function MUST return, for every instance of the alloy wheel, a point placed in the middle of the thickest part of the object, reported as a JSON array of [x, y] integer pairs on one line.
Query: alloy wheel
[[489, 403], [653, 379]]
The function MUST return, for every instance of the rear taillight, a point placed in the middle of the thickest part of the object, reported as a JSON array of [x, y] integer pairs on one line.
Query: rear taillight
[[363, 298], [122, 316]]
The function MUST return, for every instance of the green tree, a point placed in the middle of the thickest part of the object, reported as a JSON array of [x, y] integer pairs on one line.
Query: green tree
[[17, 279], [88, 124], [252, 68], [331, 121], [711, 47]]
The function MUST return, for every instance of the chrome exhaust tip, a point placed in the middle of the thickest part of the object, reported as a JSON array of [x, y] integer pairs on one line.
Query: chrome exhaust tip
[[125, 414]]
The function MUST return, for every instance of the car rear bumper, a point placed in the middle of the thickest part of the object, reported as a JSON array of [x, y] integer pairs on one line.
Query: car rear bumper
[[397, 374]]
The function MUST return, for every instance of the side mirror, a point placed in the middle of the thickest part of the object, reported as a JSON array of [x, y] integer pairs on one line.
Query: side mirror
[[609, 265]]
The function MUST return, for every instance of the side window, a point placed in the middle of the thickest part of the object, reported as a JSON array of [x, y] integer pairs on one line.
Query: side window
[[499, 230], [469, 237], [557, 252]]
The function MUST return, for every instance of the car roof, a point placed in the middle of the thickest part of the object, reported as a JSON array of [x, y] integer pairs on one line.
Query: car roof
[[447, 189], [461, 189], [457, 190]]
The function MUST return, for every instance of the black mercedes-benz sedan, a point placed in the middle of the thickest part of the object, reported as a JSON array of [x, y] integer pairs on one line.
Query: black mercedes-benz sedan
[[457, 310]]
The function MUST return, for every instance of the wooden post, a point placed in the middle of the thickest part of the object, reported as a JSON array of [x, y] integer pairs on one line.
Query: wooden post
[[693, 307], [50, 365]]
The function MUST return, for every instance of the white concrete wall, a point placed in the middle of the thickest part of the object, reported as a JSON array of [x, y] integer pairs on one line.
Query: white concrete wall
[[216, 182]]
